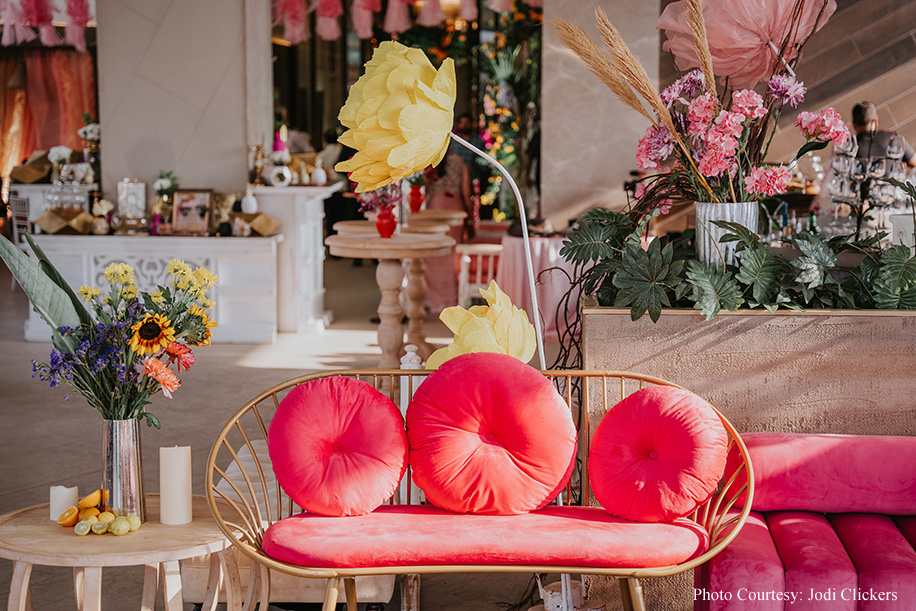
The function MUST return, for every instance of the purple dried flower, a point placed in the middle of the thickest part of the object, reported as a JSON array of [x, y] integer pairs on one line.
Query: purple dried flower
[[787, 89], [688, 86]]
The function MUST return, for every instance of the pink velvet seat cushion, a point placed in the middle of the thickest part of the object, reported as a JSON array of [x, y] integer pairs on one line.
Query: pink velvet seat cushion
[[814, 560], [338, 446], [657, 454], [420, 535], [832, 473], [884, 559], [489, 434], [750, 562]]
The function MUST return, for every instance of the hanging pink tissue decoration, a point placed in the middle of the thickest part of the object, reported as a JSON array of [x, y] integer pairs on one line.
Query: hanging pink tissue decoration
[[431, 14], [536, 3], [499, 6], [291, 14], [362, 15], [327, 26], [75, 31], [468, 10], [397, 17], [38, 13], [15, 31]]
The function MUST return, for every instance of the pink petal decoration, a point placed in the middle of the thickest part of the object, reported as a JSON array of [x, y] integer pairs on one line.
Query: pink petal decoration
[[431, 14], [38, 13], [327, 26], [397, 17], [468, 10], [292, 14], [15, 30], [499, 6], [535, 3], [362, 20], [48, 35], [75, 31]]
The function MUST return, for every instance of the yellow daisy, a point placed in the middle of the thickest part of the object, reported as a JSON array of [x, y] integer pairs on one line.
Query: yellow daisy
[[88, 292], [151, 334]]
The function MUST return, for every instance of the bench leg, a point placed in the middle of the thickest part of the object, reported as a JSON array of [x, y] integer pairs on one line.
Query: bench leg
[[330, 594], [636, 598], [350, 591], [625, 601], [410, 592]]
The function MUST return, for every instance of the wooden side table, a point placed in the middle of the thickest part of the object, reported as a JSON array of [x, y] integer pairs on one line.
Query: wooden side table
[[28, 537], [389, 275], [368, 227]]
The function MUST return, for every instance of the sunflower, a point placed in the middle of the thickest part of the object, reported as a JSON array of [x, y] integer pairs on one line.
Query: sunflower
[[198, 325], [151, 334]]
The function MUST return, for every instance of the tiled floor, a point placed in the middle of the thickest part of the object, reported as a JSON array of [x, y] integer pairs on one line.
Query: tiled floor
[[45, 440]]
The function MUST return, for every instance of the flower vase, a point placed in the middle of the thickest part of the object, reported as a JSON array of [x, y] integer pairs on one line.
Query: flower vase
[[91, 155], [708, 234], [385, 222], [416, 198], [122, 468]]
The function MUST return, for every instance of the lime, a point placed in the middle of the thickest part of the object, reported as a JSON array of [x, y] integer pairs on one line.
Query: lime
[[120, 526], [134, 522], [82, 528], [90, 519], [99, 528], [107, 517]]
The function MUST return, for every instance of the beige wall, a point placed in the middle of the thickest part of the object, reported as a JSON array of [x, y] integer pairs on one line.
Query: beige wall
[[588, 137], [172, 92]]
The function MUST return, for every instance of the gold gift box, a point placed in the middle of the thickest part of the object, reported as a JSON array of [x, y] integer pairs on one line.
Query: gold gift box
[[65, 221]]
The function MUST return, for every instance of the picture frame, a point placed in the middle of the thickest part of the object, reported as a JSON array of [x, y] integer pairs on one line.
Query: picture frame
[[191, 211], [131, 199]]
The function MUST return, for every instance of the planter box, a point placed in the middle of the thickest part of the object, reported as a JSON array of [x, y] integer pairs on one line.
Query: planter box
[[821, 371]]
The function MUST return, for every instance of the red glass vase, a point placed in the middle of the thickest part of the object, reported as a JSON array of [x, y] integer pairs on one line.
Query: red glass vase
[[416, 198], [385, 223]]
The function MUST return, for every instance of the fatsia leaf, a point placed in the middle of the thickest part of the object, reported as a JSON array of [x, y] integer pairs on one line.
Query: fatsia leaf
[[608, 217], [589, 242], [714, 289], [816, 261], [49, 300], [739, 233], [645, 279], [48, 268], [813, 145], [896, 279], [761, 271], [596, 274]]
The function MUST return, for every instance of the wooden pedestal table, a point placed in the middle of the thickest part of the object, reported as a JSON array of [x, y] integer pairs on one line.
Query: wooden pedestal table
[[28, 537], [389, 275], [453, 218], [368, 227]]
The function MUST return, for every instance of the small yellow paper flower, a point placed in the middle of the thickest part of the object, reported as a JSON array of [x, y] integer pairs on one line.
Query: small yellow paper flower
[[498, 327], [399, 115]]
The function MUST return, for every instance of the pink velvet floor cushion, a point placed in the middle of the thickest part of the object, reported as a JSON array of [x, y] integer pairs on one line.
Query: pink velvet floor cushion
[[489, 434], [420, 535], [832, 473], [338, 446], [657, 455]]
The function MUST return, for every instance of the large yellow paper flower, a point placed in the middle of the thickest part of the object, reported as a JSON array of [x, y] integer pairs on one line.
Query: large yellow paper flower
[[498, 327], [399, 115]]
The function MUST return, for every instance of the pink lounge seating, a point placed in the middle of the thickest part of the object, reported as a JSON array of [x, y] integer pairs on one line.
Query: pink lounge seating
[[832, 524]]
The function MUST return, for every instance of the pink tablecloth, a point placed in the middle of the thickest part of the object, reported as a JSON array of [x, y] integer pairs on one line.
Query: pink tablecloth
[[551, 285]]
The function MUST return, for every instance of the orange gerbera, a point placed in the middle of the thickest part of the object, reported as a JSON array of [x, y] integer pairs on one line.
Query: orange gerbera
[[151, 334], [181, 355], [167, 379]]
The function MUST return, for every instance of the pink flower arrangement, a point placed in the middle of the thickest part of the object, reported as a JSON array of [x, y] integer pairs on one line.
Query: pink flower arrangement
[[768, 180], [824, 125], [383, 197]]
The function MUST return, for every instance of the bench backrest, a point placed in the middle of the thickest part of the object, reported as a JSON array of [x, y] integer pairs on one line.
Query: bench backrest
[[832, 473]]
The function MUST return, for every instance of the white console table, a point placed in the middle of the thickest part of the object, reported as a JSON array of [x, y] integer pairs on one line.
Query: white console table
[[300, 211], [246, 296]]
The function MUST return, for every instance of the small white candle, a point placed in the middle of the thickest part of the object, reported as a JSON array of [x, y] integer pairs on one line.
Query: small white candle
[[61, 498], [175, 485]]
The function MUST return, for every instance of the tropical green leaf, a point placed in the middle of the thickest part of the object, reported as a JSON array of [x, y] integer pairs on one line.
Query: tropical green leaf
[[595, 275], [861, 283], [645, 279], [762, 272], [607, 293], [608, 217], [739, 233], [816, 261], [589, 242], [896, 280], [907, 187], [48, 268], [48, 299], [714, 289], [814, 145], [635, 237]]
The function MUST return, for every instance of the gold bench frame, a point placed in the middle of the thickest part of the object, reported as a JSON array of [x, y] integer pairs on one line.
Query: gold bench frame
[[594, 390]]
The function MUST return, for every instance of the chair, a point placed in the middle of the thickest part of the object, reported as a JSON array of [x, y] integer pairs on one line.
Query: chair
[[19, 208], [245, 498], [479, 261]]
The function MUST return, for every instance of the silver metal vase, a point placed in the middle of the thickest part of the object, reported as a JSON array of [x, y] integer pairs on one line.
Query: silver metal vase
[[708, 234], [122, 468]]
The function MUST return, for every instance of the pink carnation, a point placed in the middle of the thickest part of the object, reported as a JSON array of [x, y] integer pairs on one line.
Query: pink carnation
[[654, 146], [640, 190], [768, 180], [715, 160], [729, 124], [700, 113], [825, 125], [749, 103]]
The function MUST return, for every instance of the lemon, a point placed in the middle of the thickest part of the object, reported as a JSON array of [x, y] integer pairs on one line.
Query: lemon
[[120, 526], [82, 528], [99, 528], [134, 522], [90, 519], [107, 517]]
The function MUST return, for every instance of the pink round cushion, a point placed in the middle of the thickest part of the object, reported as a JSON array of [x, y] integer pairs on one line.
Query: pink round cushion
[[657, 455], [338, 446], [489, 434]]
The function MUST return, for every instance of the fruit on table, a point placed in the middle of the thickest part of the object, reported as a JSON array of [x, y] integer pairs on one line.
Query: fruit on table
[[69, 517], [107, 517], [99, 528], [83, 528], [89, 511], [120, 526], [91, 500], [134, 522]]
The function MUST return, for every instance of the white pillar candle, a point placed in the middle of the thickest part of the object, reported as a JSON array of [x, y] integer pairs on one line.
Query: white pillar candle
[[61, 498], [175, 485]]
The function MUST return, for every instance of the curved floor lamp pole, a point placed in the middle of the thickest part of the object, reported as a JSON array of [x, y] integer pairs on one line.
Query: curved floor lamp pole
[[524, 219]]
